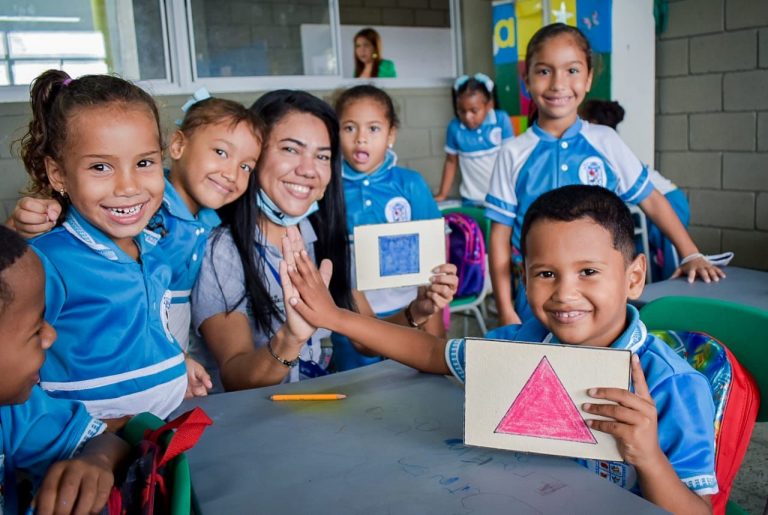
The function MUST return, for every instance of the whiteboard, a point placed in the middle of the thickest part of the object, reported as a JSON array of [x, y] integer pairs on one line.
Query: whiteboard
[[418, 52]]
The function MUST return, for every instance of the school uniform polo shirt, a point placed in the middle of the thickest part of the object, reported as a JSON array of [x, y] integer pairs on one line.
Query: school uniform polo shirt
[[183, 244], [537, 162], [683, 397], [389, 194], [114, 350], [477, 150], [220, 288], [37, 433]]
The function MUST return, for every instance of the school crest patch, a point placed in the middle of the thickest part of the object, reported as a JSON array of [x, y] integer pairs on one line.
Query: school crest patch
[[592, 172], [398, 209]]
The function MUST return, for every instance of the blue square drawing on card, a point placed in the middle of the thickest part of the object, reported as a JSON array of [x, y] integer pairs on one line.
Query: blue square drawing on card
[[398, 255]]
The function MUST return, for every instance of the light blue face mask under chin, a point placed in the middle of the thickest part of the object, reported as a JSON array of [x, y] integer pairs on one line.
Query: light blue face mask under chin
[[274, 213]]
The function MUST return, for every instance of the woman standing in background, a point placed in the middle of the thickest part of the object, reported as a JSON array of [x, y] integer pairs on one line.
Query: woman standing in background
[[368, 60]]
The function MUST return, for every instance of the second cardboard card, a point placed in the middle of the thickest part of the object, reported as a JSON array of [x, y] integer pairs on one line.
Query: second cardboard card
[[398, 254]]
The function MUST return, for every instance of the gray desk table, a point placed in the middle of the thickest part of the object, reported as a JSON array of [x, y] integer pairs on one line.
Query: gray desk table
[[741, 285], [394, 446]]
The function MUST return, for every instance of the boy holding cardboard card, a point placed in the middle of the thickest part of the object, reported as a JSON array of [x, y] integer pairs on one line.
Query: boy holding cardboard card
[[581, 269]]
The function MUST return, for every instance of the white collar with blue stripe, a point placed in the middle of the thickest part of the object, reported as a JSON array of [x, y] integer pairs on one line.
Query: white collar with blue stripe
[[350, 174], [94, 239], [490, 119], [633, 338], [176, 207], [569, 133]]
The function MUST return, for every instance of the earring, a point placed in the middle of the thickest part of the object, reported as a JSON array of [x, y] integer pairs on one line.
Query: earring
[[375, 55], [390, 146], [63, 193]]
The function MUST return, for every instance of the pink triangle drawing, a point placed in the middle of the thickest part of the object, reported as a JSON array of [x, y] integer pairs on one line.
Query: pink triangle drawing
[[543, 409]]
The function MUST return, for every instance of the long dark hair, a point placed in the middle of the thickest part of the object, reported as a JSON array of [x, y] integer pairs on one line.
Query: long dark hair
[[374, 39], [330, 222]]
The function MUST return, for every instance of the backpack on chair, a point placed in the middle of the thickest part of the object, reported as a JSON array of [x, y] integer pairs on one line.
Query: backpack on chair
[[736, 397], [466, 250]]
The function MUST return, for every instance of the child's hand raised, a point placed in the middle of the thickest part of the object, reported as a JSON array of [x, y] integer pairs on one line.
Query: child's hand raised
[[299, 327], [635, 420], [313, 300], [34, 216], [438, 294]]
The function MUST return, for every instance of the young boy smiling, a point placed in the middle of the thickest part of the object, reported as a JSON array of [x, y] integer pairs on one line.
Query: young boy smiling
[[52, 440], [580, 271]]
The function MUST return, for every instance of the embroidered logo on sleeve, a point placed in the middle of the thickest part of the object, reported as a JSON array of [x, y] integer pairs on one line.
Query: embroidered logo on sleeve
[[592, 172]]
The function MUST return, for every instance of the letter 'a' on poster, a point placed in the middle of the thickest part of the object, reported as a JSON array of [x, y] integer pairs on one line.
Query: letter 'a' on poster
[[398, 254], [527, 396]]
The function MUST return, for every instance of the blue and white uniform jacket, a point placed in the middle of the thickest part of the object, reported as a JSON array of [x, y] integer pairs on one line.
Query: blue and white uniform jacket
[[114, 350], [389, 194], [477, 150], [683, 398], [537, 162], [183, 239], [37, 433]]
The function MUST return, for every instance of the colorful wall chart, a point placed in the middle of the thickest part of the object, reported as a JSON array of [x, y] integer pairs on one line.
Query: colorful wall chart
[[515, 21]]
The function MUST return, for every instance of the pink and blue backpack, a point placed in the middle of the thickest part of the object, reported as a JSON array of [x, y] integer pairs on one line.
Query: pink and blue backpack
[[466, 250]]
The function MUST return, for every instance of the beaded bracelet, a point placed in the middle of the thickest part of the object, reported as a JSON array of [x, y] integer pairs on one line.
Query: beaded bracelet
[[290, 364]]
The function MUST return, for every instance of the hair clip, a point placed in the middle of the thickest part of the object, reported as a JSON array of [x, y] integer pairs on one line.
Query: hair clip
[[481, 77], [460, 81], [198, 96], [67, 81]]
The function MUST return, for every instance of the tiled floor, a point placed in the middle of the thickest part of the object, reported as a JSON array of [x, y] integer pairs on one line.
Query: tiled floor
[[750, 489]]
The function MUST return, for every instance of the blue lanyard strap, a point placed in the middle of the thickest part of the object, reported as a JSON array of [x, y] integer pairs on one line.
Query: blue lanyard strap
[[275, 273]]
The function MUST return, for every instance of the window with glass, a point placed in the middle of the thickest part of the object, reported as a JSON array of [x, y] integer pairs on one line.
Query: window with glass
[[81, 37], [233, 38], [178, 44]]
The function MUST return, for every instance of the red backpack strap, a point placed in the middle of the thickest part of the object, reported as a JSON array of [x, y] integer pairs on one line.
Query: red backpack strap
[[189, 428]]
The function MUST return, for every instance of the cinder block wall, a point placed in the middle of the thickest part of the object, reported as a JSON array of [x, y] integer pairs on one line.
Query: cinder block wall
[[401, 13], [424, 116], [712, 121]]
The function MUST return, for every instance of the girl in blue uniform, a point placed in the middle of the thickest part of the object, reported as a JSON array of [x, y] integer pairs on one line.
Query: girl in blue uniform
[[473, 138], [94, 145], [561, 149], [378, 191], [238, 303], [212, 155]]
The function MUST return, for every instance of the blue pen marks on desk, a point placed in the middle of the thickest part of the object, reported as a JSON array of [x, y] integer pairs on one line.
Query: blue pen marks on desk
[[398, 254]]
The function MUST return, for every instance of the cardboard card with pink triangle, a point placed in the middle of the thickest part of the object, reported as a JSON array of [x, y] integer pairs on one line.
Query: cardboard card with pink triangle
[[528, 396]]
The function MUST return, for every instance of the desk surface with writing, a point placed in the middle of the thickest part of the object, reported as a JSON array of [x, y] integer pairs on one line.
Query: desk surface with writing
[[393, 446]]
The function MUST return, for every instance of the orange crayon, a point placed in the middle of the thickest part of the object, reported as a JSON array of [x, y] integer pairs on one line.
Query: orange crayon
[[308, 397]]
